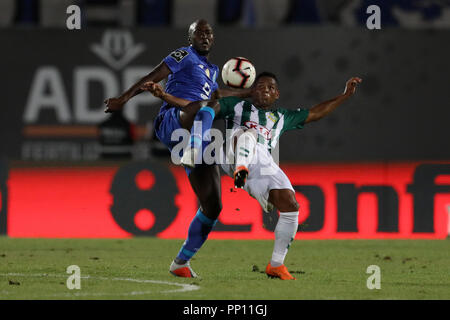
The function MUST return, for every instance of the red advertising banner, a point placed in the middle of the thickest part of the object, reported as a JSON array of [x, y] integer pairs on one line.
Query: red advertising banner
[[337, 201]]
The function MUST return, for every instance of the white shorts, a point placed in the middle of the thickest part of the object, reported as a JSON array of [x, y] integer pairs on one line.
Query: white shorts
[[264, 175]]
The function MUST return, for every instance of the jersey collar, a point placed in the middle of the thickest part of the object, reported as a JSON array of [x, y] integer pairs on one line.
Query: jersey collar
[[273, 109], [202, 58]]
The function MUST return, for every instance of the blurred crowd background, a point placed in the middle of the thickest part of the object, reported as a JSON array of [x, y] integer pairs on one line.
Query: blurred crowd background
[[246, 13], [57, 78]]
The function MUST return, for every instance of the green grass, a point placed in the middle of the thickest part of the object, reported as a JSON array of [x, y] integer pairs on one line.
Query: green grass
[[229, 269]]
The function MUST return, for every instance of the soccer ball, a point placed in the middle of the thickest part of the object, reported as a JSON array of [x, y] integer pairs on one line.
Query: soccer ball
[[238, 73]]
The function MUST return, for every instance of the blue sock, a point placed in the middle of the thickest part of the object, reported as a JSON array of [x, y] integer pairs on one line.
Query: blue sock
[[200, 136], [198, 232]]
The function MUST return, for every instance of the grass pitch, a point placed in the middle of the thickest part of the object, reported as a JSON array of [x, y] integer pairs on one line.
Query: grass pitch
[[230, 269]]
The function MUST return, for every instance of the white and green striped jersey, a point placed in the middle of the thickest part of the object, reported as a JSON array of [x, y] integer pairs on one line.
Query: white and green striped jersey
[[269, 124]]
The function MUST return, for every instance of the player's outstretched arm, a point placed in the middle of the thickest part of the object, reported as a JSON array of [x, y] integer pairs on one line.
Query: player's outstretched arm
[[190, 107], [156, 90], [322, 109], [160, 72]]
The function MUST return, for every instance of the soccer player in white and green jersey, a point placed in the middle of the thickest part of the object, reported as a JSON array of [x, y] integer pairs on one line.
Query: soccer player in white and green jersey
[[256, 128]]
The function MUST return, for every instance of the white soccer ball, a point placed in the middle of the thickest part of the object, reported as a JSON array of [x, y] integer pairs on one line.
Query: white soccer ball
[[238, 72]]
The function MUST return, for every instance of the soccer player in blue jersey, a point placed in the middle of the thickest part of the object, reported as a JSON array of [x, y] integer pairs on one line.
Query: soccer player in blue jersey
[[191, 77]]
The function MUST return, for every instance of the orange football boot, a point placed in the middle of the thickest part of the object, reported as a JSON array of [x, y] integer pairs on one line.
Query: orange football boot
[[279, 272]]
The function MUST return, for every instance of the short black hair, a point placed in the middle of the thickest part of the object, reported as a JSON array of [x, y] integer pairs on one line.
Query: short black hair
[[193, 25], [267, 74]]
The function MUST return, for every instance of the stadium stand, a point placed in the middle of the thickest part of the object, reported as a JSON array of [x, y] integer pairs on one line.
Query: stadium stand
[[186, 11], [53, 13], [7, 9], [228, 11], [26, 12], [154, 13], [303, 11], [270, 13], [246, 13]]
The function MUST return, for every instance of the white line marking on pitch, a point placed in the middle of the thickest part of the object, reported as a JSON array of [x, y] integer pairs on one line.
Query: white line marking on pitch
[[184, 287]]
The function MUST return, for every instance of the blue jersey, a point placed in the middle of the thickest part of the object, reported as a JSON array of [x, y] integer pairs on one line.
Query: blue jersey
[[193, 77]]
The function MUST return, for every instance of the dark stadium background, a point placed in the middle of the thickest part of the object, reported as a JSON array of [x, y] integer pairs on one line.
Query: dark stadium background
[[378, 167]]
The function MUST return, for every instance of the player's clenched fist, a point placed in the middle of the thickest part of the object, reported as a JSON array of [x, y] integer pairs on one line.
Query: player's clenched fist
[[154, 88], [113, 104], [350, 86]]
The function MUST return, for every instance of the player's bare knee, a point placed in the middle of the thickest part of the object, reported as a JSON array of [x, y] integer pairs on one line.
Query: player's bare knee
[[284, 200], [215, 105], [290, 204], [192, 108], [293, 205], [218, 208], [188, 113], [212, 209]]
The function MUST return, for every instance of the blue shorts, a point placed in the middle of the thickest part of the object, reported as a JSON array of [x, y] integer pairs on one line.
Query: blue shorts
[[165, 123]]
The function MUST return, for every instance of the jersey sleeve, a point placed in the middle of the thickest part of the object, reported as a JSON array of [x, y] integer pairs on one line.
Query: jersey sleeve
[[214, 79], [214, 87], [227, 106], [294, 119], [177, 60]]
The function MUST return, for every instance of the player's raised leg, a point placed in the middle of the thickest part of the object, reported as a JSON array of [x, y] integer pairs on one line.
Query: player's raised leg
[[199, 117], [285, 230], [200, 137], [244, 151], [205, 180]]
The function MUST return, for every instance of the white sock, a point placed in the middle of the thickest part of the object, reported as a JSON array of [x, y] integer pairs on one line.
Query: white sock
[[284, 234], [245, 148]]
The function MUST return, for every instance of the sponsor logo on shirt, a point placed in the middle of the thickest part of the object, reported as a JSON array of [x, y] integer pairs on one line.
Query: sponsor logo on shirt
[[272, 117], [263, 131]]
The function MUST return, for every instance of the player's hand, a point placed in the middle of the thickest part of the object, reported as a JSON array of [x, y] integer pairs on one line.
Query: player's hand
[[113, 104], [350, 86], [154, 88]]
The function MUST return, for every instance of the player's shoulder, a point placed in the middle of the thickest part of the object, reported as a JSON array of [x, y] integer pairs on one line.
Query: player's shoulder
[[285, 111], [281, 110], [229, 103], [216, 67], [186, 48], [181, 53]]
